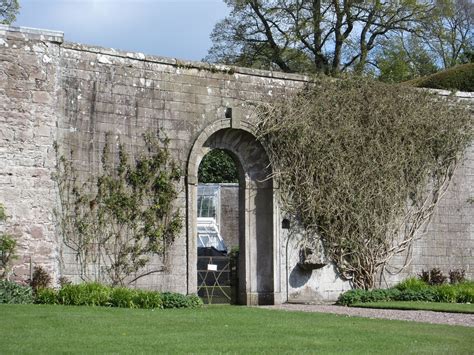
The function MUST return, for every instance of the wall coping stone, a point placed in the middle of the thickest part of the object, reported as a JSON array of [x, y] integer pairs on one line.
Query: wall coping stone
[[186, 64], [34, 33], [58, 37]]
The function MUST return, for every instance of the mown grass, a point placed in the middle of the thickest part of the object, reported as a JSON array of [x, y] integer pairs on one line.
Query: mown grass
[[425, 306], [216, 329]]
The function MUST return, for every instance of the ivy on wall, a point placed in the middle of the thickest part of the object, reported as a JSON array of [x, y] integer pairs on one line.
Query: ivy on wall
[[362, 165], [117, 220]]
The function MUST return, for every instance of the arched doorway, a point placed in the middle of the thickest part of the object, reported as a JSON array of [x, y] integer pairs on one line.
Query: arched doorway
[[259, 281]]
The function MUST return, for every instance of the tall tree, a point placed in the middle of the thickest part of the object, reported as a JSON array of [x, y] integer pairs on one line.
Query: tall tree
[[448, 34], [328, 36], [403, 58], [8, 11]]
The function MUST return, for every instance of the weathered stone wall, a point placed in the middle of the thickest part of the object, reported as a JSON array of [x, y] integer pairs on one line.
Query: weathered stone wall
[[74, 94], [447, 242], [29, 70], [229, 214]]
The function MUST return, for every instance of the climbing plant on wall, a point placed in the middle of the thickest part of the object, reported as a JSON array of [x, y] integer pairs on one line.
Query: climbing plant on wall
[[362, 165], [7, 249], [117, 220]]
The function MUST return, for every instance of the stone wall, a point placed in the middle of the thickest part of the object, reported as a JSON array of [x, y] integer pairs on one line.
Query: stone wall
[[75, 94], [229, 215], [447, 242], [29, 71]]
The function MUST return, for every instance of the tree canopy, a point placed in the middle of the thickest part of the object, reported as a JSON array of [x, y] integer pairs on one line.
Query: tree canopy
[[218, 166], [397, 40], [8, 11], [315, 35]]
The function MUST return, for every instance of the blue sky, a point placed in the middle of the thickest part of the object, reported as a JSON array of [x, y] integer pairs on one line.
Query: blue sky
[[170, 28]]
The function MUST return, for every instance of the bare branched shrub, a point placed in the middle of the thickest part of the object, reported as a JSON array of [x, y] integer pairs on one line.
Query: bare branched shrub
[[363, 164]]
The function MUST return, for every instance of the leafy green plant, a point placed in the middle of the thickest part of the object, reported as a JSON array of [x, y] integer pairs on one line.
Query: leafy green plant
[[427, 295], [46, 296], [350, 297], [465, 292], [446, 293], [411, 283], [7, 249], [86, 294], [177, 300], [95, 294], [361, 170], [412, 290], [11, 292], [148, 299], [123, 297], [194, 301], [117, 221]]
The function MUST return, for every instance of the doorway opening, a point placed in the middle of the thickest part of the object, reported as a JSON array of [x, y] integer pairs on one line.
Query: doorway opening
[[218, 228], [258, 267]]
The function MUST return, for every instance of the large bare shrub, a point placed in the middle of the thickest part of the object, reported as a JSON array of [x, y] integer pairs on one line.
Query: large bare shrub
[[363, 164]]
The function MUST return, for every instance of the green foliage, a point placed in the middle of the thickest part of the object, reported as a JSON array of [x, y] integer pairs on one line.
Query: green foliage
[[460, 78], [149, 299], [8, 11], [46, 296], [412, 290], [362, 164], [426, 294], [7, 249], [3, 214], [465, 292], [95, 294], [118, 220], [446, 293], [401, 60], [363, 296], [412, 283], [40, 278], [350, 297], [309, 36], [11, 292], [123, 297], [86, 294], [177, 300], [218, 166], [7, 254]]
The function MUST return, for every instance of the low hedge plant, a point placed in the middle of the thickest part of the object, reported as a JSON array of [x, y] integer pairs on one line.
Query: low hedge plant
[[11, 292], [411, 290], [94, 294]]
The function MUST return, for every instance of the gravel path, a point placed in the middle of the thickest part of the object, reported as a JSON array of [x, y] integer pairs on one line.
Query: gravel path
[[415, 316]]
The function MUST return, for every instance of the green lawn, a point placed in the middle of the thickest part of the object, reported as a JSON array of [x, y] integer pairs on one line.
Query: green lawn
[[216, 329], [425, 306]]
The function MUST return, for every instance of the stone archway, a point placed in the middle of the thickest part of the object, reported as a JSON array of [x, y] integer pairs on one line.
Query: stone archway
[[259, 274]]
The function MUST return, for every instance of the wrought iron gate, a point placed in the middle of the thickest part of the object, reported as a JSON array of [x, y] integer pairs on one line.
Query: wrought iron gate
[[214, 281]]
